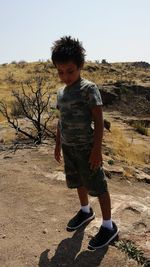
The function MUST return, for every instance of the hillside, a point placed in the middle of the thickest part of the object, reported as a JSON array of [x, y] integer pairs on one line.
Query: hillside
[[129, 77]]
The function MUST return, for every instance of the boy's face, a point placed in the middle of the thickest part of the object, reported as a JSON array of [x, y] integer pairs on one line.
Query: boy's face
[[68, 72]]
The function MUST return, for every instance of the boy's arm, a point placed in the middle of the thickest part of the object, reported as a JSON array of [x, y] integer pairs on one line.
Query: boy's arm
[[95, 159], [58, 144]]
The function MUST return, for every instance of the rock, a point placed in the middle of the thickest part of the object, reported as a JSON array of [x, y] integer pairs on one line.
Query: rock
[[7, 157], [130, 98], [141, 64], [40, 208], [113, 168], [91, 68], [142, 176], [45, 231], [56, 175], [108, 94]]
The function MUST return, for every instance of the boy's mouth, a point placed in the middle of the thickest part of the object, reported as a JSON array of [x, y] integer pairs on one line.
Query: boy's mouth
[[68, 82]]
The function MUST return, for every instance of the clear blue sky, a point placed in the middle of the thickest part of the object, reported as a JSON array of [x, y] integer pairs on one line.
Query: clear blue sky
[[115, 30]]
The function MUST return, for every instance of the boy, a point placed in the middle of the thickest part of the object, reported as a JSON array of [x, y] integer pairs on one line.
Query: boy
[[80, 104]]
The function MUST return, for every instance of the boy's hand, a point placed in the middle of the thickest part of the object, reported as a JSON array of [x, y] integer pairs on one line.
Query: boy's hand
[[57, 153], [95, 159]]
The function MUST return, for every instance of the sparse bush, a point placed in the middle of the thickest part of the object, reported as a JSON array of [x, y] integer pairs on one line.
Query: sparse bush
[[38, 68], [131, 250], [104, 61], [139, 126], [14, 62], [141, 129], [10, 78], [35, 106], [21, 64], [111, 162], [29, 71], [16, 110], [97, 62], [4, 64]]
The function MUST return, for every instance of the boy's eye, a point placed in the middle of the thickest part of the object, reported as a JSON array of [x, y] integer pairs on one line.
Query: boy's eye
[[68, 72]]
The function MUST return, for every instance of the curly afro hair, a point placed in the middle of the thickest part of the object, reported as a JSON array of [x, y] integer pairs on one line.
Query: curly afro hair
[[68, 49]]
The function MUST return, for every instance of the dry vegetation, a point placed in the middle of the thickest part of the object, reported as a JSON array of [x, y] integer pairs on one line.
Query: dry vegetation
[[126, 147], [11, 76]]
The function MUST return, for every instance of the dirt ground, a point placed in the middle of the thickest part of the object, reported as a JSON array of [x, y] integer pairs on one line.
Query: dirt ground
[[35, 207]]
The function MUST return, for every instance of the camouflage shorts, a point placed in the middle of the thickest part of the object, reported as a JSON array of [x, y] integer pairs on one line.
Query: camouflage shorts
[[78, 172]]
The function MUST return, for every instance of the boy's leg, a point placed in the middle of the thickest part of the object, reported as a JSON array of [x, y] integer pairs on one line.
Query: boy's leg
[[85, 214], [73, 180], [83, 196], [104, 201], [105, 204], [108, 231]]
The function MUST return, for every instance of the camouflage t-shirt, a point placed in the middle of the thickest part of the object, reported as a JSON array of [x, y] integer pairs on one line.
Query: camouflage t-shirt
[[75, 103]]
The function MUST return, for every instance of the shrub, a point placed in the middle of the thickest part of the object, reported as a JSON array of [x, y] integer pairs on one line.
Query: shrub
[[131, 250], [14, 62], [16, 109], [140, 128], [33, 102], [111, 162]]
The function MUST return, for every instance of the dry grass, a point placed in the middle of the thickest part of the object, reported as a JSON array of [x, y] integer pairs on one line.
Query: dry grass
[[126, 148], [12, 74]]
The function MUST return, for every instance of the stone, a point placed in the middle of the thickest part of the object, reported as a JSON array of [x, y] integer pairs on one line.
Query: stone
[[142, 176], [56, 175], [45, 231], [113, 168], [108, 94]]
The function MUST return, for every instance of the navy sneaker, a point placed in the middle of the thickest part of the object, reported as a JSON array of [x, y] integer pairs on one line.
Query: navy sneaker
[[103, 237], [80, 219]]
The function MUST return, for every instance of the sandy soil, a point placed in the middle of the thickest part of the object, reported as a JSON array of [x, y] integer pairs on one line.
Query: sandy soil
[[35, 207]]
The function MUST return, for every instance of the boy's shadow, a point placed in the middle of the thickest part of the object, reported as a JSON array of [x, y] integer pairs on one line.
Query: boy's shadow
[[67, 254]]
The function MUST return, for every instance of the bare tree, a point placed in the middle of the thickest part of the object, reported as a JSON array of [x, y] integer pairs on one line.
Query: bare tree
[[34, 105]]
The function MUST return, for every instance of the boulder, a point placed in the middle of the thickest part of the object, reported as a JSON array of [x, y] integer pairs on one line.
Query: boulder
[[109, 94], [142, 176]]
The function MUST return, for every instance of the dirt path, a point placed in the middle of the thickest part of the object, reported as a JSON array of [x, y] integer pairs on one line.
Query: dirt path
[[35, 206]]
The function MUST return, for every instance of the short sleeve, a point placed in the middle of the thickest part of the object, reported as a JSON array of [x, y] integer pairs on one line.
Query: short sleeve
[[94, 96]]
